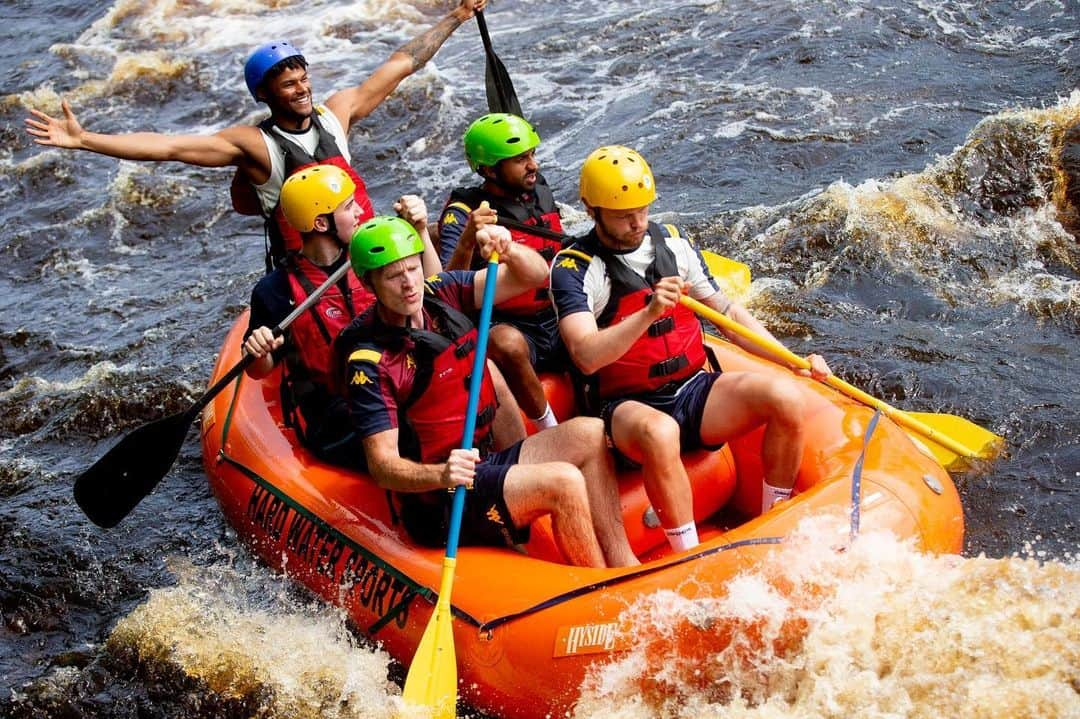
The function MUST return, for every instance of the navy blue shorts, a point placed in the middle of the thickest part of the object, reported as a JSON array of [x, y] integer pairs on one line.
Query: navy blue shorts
[[486, 519], [685, 404], [546, 351]]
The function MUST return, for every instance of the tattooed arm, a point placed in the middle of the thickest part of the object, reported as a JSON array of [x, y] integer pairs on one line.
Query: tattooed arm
[[358, 102]]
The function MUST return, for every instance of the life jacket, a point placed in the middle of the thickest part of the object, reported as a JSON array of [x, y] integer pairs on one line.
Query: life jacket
[[313, 333], [283, 237], [435, 409], [541, 213], [671, 349]]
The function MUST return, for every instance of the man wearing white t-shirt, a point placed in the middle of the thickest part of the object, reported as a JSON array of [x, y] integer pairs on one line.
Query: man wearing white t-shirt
[[297, 134], [616, 293]]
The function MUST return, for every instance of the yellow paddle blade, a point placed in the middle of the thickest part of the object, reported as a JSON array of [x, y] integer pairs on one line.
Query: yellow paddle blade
[[983, 443], [732, 276], [431, 684]]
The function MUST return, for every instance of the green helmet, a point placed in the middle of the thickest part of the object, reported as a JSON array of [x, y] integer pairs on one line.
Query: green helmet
[[496, 137], [382, 240]]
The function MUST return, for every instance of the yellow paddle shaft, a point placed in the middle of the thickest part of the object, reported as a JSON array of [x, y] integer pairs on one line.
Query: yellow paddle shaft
[[898, 416]]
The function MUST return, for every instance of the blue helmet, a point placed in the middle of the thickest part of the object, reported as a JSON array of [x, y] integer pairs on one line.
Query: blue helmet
[[265, 57]]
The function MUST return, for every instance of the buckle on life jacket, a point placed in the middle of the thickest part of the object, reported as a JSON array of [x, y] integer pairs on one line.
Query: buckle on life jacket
[[662, 326], [465, 348], [669, 366], [547, 252]]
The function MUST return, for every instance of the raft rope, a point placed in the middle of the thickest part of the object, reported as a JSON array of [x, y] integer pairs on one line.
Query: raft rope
[[596, 586], [856, 475]]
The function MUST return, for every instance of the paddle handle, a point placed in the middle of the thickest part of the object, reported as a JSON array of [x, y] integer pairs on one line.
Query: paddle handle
[[475, 383], [898, 416], [482, 24]]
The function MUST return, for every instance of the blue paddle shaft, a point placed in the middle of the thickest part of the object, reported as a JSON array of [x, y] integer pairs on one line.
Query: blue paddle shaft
[[475, 383]]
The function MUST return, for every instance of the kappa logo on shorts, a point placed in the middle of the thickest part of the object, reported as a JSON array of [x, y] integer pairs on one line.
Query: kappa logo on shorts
[[494, 516]]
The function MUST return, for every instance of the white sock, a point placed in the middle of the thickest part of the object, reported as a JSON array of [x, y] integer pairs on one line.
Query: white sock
[[547, 419], [682, 538], [770, 495]]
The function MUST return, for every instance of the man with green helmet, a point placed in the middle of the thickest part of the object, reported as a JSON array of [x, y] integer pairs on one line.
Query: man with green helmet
[[617, 294], [407, 363], [501, 148], [320, 203]]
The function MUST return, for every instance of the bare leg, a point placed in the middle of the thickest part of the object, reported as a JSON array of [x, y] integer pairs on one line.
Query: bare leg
[[508, 426], [651, 438], [581, 442], [558, 489], [740, 401], [509, 350]]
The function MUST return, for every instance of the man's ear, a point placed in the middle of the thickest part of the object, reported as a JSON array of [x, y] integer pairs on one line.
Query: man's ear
[[321, 224], [487, 172], [589, 209]]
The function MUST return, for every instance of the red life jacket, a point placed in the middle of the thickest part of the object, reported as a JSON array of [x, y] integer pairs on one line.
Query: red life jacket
[[313, 333], [671, 349], [284, 238], [434, 410], [542, 212]]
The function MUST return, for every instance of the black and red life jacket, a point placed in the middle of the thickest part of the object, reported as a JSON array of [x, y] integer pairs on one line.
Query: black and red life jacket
[[671, 349], [542, 212], [309, 402], [435, 409], [283, 237], [313, 333]]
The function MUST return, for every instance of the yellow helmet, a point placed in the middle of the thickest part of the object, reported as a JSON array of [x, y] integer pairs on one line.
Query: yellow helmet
[[313, 191], [617, 178]]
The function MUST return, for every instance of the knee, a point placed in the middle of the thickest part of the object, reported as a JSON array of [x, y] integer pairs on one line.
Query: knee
[[565, 487], [659, 435], [509, 345], [786, 402]]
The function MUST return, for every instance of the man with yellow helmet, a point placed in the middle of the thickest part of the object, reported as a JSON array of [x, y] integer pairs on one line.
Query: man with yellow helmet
[[616, 293], [319, 202]]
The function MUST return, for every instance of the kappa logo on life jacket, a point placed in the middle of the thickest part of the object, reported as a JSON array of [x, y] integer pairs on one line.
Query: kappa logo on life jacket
[[493, 515], [569, 263]]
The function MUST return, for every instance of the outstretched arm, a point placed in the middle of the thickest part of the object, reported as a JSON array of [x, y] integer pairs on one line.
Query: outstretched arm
[[231, 146], [358, 102]]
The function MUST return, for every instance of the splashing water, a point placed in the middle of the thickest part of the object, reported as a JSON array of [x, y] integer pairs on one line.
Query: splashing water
[[249, 641], [877, 631]]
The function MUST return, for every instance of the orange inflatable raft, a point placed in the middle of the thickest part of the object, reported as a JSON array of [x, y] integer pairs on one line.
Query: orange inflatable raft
[[528, 626]]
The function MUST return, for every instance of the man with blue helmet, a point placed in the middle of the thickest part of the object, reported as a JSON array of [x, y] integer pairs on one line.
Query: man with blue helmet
[[297, 134]]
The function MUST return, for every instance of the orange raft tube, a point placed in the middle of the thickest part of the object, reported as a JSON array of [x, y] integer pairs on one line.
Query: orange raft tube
[[527, 626]]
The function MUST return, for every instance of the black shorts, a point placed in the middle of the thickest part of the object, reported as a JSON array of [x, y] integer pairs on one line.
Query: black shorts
[[486, 519], [546, 351], [685, 404]]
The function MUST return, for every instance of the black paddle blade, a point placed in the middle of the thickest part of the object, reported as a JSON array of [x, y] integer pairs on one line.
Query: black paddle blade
[[117, 482], [501, 96], [500, 90]]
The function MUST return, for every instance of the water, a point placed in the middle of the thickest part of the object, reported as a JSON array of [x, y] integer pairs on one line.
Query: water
[[900, 177]]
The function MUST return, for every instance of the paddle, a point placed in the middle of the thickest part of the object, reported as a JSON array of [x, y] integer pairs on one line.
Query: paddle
[[734, 276], [951, 438], [117, 482], [500, 90], [431, 683]]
